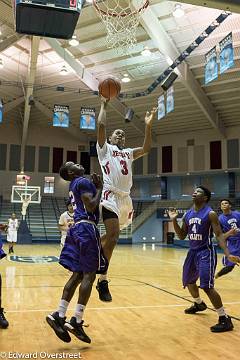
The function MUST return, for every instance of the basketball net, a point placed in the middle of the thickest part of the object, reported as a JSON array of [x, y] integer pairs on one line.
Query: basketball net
[[121, 22]]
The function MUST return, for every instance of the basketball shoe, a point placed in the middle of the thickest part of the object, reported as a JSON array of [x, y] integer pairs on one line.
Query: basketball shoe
[[3, 321], [196, 308], [224, 324], [103, 291], [57, 324], [77, 329]]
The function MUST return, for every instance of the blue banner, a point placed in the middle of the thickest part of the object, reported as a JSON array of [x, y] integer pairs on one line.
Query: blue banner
[[1, 111], [161, 107], [211, 66], [88, 119], [226, 53], [170, 99], [61, 116]]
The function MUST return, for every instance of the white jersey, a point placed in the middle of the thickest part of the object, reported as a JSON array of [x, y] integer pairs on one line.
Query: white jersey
[[116, 167], [12, 224], [66, 220]]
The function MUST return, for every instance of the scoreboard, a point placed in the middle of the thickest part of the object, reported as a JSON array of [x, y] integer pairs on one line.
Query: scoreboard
[[50, 18]]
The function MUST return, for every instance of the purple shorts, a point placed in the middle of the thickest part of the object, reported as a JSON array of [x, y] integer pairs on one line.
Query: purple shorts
[[82, 251], [201, 264], [234, 249]]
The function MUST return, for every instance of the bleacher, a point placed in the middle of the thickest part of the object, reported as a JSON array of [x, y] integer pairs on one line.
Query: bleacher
[[42, 219], [139, 206]]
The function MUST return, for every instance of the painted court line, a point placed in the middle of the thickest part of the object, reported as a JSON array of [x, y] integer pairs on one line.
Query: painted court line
[[117, 307]]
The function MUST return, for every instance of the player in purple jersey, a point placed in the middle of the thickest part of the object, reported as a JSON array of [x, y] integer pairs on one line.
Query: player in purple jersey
[[82, 253], [230, 223], [201, 258], [3, 321]]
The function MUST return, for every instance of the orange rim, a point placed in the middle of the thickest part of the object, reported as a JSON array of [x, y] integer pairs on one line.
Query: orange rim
[[114, 14]]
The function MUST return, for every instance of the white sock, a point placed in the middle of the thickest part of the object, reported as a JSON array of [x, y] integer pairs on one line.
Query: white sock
[[79, 312], [197, 300], [221, 311], [63, 308], [102, 277]]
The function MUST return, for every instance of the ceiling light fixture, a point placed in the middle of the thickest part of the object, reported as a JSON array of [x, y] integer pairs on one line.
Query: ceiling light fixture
[[146, 51], [63, 71], [1, 63], [178, 11], [126, 78], [73, 41]]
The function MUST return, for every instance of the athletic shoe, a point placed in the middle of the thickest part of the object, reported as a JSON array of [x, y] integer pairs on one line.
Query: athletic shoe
[[57, 324], [77, 329], [196, 308], [224, 324], [3, 321], [103, 291]]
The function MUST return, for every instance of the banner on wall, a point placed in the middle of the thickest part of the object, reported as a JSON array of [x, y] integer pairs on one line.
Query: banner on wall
[[226, 53], [161, 107], [88, 118], [211, 66], [61, 115], [170, 99], [1, 111]]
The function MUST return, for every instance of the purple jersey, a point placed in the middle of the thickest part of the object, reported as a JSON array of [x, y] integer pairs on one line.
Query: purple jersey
[[231, 221], [2, 253], [198, 227], [77, 188]]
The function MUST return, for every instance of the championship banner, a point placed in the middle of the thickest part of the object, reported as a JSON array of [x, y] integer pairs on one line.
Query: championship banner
[[161, 107], [170, 99], [1, 111], [226, 53], [211, 66], [61, 116], [88, 118]]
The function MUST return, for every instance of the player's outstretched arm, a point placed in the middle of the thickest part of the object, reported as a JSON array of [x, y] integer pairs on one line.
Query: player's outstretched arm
[[102, 120], [147, 143], [220, 237], [180, 231]]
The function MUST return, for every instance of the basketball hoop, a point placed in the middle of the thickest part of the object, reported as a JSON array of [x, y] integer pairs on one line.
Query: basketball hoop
[[121, 22]]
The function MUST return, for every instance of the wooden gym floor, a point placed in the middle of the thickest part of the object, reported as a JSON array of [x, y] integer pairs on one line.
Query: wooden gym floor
[[146, 319]]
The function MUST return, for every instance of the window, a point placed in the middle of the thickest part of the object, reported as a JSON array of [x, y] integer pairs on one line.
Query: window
[[48, 185]]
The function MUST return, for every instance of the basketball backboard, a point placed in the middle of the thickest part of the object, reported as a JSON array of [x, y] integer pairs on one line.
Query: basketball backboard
[[21, 193]]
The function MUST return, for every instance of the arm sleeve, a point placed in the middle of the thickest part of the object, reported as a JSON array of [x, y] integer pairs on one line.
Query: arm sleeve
[[101, 151]]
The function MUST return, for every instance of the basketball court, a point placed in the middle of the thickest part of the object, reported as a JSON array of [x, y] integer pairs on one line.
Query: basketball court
[[181, 57], [145, 319]]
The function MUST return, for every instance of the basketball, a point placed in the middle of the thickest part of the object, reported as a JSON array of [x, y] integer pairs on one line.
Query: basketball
[[109, 88]]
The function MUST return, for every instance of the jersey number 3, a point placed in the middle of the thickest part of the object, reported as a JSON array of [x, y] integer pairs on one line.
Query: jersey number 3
[[124, 169]]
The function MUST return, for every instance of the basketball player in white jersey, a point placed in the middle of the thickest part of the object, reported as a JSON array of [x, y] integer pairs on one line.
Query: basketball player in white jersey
[[65, 221], [12, 232], [116, 204]]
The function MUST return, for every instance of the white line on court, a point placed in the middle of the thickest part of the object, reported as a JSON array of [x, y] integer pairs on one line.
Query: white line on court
[[117, 307], [158, 260]]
